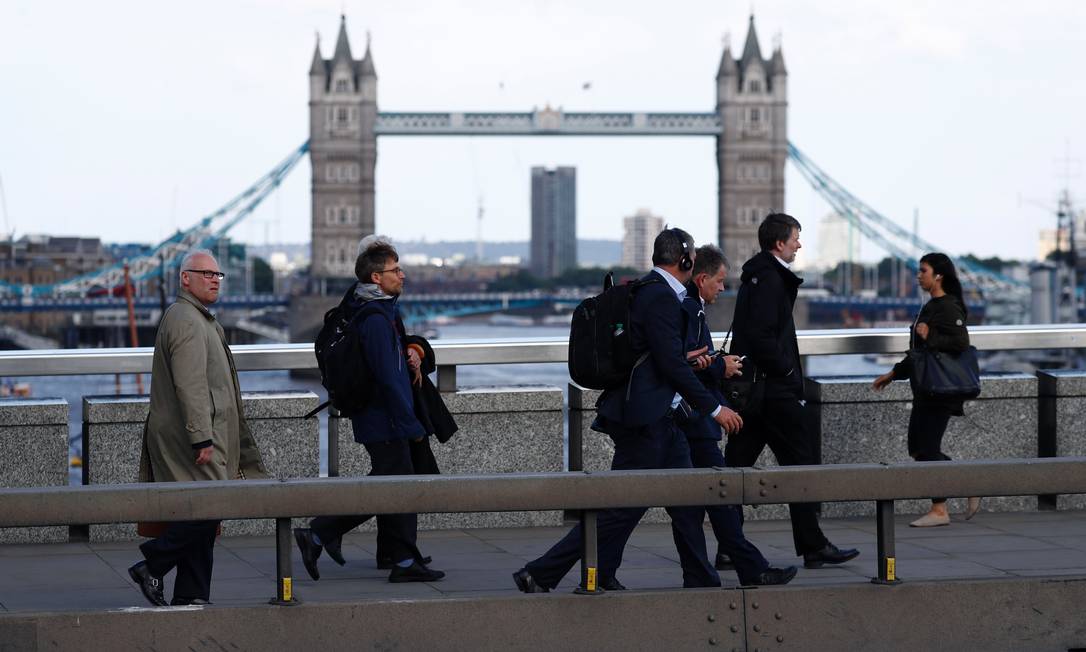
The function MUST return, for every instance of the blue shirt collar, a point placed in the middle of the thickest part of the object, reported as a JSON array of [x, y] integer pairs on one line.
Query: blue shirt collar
[[676, 286]]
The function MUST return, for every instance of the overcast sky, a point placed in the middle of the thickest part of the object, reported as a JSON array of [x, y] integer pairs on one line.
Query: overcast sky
[[126, 120]]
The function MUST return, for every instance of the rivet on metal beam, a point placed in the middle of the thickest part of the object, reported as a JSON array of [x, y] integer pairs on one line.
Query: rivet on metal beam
[[712, 618], [763, 492], [761, 481], [712, 641], [735, 629], [723, 494], [757, 628], [755, 605], [780, 638], [732, 606], [778, 615], [723, 483]]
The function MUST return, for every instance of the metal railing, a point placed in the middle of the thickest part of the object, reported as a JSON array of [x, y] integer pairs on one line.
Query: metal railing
[[586, 492], [451, 353]]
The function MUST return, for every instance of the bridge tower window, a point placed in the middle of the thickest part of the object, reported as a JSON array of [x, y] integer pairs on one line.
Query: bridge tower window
[[341, 86], [754, 86]]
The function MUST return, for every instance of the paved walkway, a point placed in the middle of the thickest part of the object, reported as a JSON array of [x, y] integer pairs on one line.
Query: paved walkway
[[77, 576]]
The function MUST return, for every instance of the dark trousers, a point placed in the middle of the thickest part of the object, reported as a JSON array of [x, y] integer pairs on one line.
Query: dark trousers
[[658, 446], [188, 546], [396, 533], [927, 425], [781, 425], [727, 520]]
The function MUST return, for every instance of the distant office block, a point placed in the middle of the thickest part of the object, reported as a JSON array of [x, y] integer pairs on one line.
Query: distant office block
[[640, 230], [554, 221]]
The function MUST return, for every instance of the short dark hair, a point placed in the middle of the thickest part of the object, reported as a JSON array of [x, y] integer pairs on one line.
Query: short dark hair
[[374, 259], [776, 227], [709, 260], [668, 247]]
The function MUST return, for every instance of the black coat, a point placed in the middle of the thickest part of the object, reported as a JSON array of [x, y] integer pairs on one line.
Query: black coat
[[763, 328], [945, 317]]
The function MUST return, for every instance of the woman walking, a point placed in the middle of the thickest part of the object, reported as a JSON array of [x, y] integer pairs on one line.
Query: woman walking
[[940, 326]]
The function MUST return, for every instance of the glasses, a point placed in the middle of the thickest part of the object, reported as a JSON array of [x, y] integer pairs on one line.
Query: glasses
[[207, 273], [394, 270]]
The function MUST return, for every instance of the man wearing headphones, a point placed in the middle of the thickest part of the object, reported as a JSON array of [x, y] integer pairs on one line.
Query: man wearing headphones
[[641, 418]]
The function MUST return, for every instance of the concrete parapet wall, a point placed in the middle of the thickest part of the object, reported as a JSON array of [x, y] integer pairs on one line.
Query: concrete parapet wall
[[113, 432], [33, 453], [502, 430], [1062, 405], [859, 425]]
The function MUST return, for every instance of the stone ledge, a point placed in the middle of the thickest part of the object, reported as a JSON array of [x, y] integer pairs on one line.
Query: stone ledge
[[133, 408], [33, 411]]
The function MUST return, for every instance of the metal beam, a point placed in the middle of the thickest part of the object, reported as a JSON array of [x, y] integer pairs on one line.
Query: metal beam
[[171, 501]]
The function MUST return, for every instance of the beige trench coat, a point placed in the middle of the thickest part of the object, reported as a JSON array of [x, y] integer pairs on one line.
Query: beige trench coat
[[195, 397]]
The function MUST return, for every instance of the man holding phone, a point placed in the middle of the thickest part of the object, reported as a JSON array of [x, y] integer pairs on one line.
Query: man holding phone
[[703, 434]]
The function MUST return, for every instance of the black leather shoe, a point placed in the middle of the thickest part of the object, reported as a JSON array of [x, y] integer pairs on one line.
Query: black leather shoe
[[416, 572], [772, 576], [831, 554], [526, 583], [149, 584], [386, 563], [185, 602], [723, 562], [310, 550], [612, 585], [335, 551]]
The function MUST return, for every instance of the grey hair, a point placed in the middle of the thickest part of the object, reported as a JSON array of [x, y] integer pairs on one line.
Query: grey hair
[[709, 260], [186, 262], [370, 240]]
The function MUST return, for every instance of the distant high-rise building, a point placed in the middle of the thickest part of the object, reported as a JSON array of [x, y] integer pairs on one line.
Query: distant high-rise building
[[343, 154], [554, 221], [838, 241], [640, 231]]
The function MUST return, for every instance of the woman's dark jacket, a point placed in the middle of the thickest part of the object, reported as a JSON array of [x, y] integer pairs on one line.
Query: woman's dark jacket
[[947, 333]]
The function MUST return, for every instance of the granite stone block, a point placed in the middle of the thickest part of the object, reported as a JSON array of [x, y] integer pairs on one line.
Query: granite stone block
[[1063, 392], [859, 425], [33, 453], [113, 436], [523, 436]]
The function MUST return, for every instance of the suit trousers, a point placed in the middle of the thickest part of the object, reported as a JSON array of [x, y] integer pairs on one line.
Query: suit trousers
[[398, 532], [727, 520], [780, 424], [660, 445], [188, 546]]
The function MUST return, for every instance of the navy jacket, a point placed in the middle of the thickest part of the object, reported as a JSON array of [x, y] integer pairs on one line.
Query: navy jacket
[[657, 334], [763, 328], [391, 413], [702, 426]]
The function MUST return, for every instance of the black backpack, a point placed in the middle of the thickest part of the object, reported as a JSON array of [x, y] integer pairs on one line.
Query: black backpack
[[344, 371], [600, 353]]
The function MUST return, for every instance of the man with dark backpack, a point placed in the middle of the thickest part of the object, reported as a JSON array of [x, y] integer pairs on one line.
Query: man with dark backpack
[[641, 418], [385, 422]]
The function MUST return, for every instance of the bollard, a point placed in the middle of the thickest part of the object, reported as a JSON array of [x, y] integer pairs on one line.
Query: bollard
[[884, 522], [590, 584], [284, 590]]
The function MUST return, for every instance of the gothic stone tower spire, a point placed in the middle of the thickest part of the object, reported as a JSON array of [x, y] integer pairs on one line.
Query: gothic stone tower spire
[[752, 101], [343, 154]]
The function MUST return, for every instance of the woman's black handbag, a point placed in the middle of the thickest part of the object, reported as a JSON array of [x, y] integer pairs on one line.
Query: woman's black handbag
[[938, 374]]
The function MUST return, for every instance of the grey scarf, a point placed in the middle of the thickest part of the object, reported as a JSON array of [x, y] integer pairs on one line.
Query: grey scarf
[[370, 292]]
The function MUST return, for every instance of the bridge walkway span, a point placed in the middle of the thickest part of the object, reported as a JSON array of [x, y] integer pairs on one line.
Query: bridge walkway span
[[1032, 565]]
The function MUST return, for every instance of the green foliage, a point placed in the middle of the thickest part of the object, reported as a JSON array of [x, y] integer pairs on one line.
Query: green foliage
[[263, 277]]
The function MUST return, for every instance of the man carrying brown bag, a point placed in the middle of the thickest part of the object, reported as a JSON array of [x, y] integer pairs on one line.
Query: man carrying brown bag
[[195, 431]]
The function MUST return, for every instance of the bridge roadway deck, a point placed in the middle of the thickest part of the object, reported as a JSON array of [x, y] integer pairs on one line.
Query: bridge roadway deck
[[92, 576]]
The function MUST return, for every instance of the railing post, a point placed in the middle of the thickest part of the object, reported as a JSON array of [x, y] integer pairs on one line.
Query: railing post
[[590, 584], [333, 442], [884, 522], [446, 378], [284, 590]]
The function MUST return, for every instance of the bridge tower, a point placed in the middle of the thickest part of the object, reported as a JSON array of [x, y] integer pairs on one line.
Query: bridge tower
[[752, 102], [343, 155]]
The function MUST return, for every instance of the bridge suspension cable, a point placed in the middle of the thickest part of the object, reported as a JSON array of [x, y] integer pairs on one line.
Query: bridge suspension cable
[[869, 222], [168, 253]]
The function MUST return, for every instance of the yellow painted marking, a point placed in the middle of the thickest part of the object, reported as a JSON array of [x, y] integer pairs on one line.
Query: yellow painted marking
[[591, 581], [890, 569], [287, 589]]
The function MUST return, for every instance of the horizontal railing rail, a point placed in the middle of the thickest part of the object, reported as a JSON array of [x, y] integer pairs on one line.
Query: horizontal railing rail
[[585, 492], [451, 353]]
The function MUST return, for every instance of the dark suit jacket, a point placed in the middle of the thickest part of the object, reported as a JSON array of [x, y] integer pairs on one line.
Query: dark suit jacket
[[702, 426], [657, 334]]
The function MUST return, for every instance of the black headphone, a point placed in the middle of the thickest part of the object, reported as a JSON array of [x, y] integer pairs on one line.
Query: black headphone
[[686, 263]]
